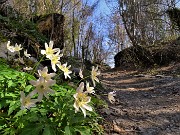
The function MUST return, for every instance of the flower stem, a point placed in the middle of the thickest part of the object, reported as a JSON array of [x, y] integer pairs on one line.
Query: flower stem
[[36, 65], [81, 80], [58, 75]]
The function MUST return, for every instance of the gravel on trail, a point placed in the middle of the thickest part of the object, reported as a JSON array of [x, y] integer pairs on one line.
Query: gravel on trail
[[145, 104]]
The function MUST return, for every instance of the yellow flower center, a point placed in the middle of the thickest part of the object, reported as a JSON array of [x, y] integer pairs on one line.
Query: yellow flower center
[[66, 70], [81, 99], [54, 59], [41, 88], [27, 102], [44, 75], [49, 51]]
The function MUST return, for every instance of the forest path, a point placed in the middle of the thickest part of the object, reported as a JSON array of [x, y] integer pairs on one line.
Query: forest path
[[145, 104]]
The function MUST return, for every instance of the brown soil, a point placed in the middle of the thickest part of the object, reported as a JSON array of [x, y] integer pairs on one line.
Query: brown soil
[[145, 104]]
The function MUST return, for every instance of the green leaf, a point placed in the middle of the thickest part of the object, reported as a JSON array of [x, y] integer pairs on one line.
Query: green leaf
[[14, 76], [30, 77], [3, 104], [20, 113], [83, 130], [2, 124], [67, 131], [11, 83], [43, 111], [34, 129], [48, 131], [12, 95], [13, 106], [28, 88], [1, 78], [77, 120], [33, 117]]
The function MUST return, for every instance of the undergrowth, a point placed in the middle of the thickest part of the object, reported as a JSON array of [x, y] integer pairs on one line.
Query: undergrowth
[[53, 116]]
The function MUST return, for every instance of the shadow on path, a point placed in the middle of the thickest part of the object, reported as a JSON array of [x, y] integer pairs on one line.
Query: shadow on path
[[145, 105]]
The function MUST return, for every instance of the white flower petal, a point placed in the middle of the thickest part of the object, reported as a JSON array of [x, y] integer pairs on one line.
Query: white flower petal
[[87, 107], [43, 52], [96, 79], [80, 73], [84, 111], [45, 94], [75, 95], [81, 87], [32, 93], [76, 107], [50, 91], [33, 82], [46, 46], [40, 97], [54, 67], [51, 43]]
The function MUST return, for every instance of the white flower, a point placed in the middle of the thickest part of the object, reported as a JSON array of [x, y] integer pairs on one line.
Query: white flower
[[55, 60], [65, 69], [42, 87], [17, 47], [81, 74], [45, 75], [28, 68], [49, 50], [111, 96], [10, 48], [81, 100], [89, 89], [27, 102], [26, 54], [94, 73]]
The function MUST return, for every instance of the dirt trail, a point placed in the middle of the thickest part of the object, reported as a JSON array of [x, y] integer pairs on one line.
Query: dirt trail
[[145, 104]]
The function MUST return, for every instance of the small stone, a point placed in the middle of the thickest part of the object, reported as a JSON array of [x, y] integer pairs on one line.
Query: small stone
[[139, 75], [159, 76]]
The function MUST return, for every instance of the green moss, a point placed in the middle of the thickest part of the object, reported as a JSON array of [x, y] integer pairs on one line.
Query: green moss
[[2, 38], [23, 28], [3, 62]]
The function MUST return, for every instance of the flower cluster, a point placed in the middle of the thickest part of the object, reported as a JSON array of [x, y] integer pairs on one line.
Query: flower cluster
[[44, 82], [42, 88], [52, 54], [16, 49]]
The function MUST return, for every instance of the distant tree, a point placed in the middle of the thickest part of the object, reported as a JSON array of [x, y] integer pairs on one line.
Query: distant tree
[[174, 14], [144, 21]]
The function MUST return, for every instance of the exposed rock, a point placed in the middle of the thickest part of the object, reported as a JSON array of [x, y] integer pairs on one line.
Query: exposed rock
[[3, 50], [32, 35], [148, 56], [51, 26], [133, 57]]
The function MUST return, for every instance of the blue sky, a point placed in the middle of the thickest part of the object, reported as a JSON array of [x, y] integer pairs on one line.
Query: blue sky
[[104, 9]]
